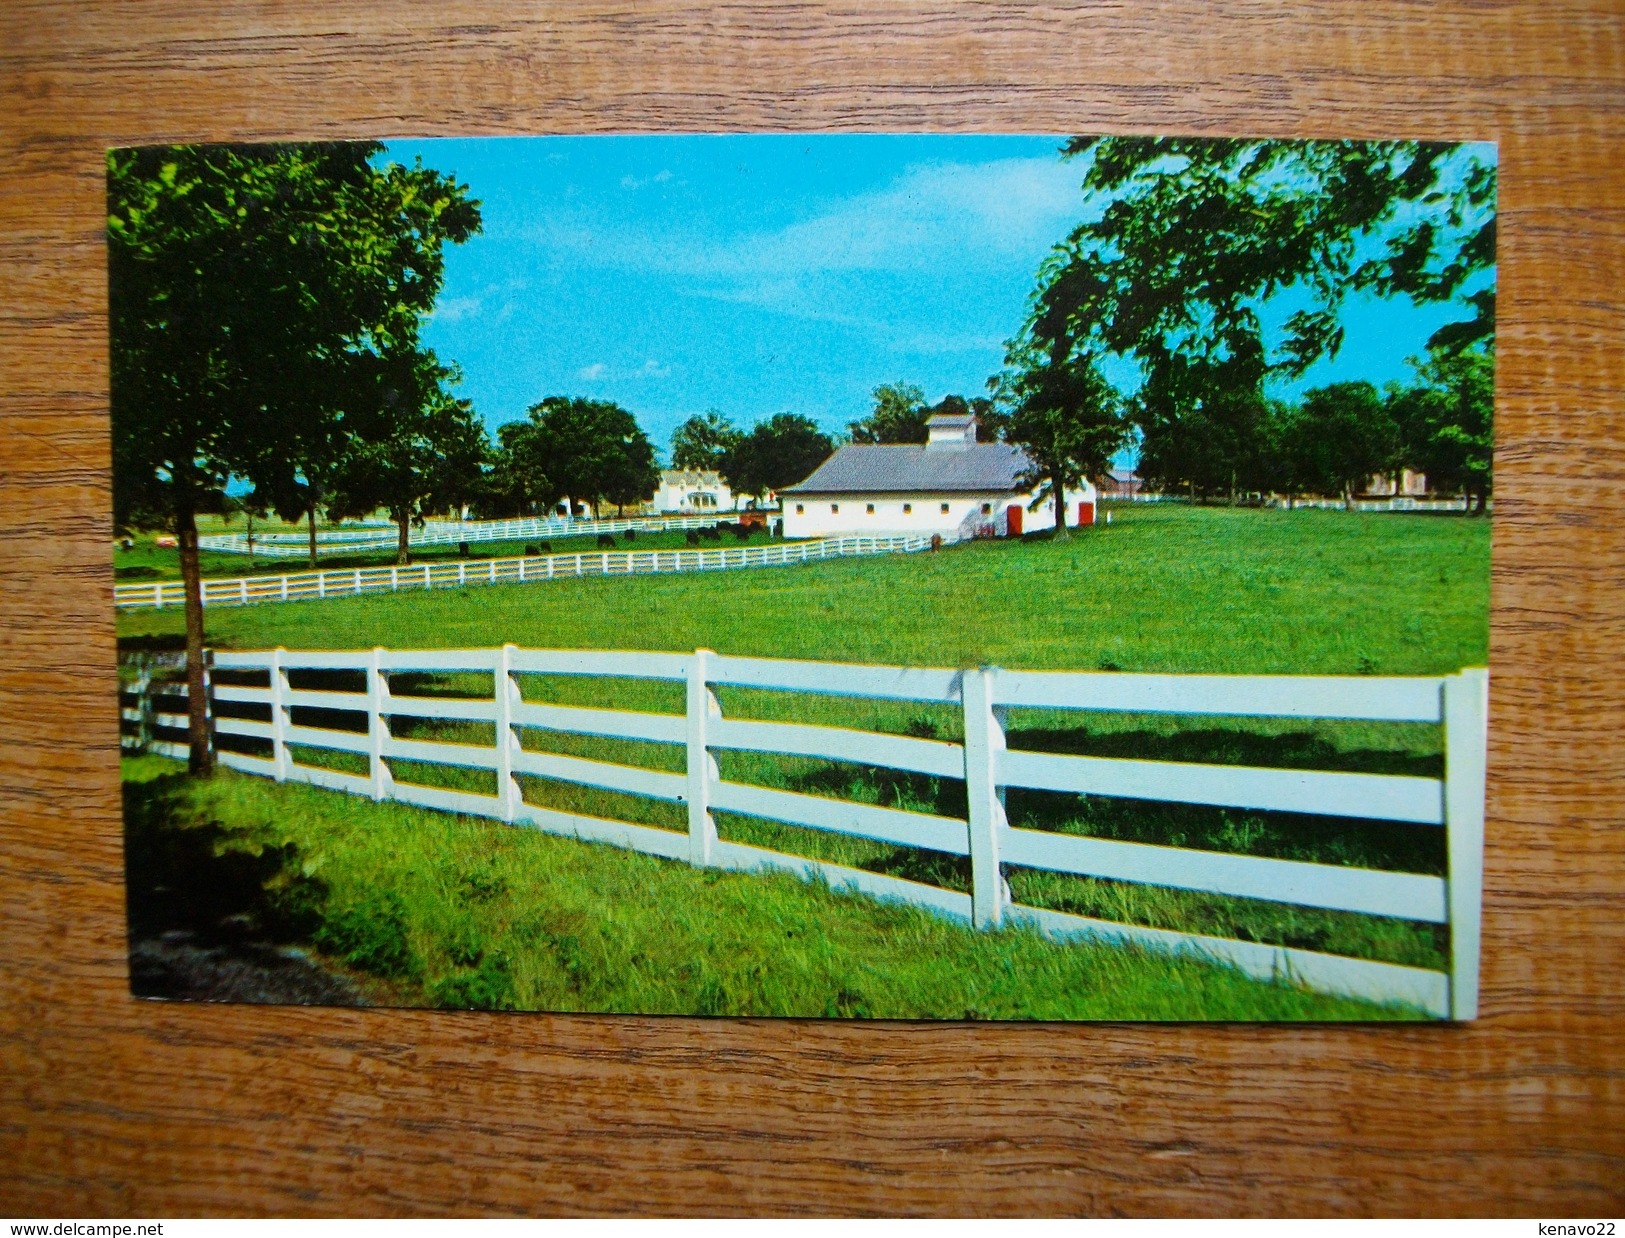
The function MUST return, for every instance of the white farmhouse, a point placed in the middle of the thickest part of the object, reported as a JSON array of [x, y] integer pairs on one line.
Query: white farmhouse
[[691, 492], [953, 485]]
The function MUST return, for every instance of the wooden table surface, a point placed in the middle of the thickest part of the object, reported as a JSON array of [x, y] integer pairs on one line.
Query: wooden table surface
[[108, 1105]]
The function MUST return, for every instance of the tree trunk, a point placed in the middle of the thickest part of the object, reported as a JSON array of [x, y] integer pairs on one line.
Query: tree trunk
[[1059, 491], [403, 546], [1232, 487], [200, 755], [312, 515], [1348, 497]]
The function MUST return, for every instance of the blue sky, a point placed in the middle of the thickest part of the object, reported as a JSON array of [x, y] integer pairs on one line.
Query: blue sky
[[765, 274]]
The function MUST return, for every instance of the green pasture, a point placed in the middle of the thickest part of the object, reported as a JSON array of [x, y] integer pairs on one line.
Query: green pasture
[[1160, 589], [438, 910]]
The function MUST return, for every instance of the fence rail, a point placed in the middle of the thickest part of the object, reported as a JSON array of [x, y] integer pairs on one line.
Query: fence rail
[[344, 582], [442, 533], [1395, 503], [983, 760]]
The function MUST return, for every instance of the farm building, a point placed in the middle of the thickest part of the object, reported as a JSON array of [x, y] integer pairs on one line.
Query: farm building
[[691, 492], [1120, 484], [952, 485]]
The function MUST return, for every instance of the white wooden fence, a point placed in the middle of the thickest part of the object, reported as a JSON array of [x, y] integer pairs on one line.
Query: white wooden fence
[[988, 766], [441, 533], [1396, 503], [344, 582]]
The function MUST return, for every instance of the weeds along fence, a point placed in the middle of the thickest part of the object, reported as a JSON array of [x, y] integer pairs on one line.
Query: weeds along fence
[[344, 582], [288, 722], [442, 533]]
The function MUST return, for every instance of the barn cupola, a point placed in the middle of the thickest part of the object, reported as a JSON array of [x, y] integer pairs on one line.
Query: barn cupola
[[950, 431]]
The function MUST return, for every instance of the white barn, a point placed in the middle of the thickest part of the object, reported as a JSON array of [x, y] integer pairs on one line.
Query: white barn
[[691, 492], [952, 485]]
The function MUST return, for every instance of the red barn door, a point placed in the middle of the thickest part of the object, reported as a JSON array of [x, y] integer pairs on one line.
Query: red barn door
[[1012, 521], [1086, 515]]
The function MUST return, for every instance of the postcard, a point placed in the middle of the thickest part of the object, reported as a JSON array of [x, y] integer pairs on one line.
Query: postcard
[[842, 576]]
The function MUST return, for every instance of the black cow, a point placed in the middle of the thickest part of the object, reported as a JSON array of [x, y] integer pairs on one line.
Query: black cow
[[462, 549], [692, 537], [742, 532], [631, 535], [547, 548], [607, 540], [532, 550]]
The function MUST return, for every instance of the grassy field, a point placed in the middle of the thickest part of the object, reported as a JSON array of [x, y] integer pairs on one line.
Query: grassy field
[[1160, 589], [1168, 589], [440, 911]]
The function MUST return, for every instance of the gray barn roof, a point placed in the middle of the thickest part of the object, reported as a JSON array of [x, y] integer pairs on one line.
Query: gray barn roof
[[860, 468]]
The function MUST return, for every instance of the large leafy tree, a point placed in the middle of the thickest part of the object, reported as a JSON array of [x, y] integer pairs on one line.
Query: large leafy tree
[[1344, 433], [778, 452], [1195, 236], [703, 442], [415, 212], [1446, 420], [243, 284], [591, 450], [1064, 412], [422, 452]]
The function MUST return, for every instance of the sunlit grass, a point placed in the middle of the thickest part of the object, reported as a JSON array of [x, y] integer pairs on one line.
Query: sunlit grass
[[460, 912], [1173, 589]]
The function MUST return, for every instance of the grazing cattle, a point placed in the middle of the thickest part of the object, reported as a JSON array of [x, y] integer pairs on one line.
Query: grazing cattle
[[532, 550], [631, 535], [462, 549], [606, 540], [711, 533], [547, 548], [692, 537], [742, 532]]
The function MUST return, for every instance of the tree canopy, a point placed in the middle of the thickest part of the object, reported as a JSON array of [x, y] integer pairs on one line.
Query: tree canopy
[[251, 292], [592, 451], [1196, 235], [776, 453], [422, 451], [703, 442], [900, 413]]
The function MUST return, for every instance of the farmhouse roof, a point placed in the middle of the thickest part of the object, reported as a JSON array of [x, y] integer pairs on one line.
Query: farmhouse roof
[[860, 468]]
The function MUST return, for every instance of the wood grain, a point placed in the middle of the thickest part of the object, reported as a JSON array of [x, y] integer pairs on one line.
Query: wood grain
[[110, 1105]]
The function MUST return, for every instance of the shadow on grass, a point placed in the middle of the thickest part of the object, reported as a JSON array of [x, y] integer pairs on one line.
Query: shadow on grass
[[212, 916]]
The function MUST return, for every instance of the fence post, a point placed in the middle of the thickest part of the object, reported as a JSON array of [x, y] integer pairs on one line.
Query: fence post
[[984, 741], [1466, 721], [377, 728], [509, 797], [279, 715], [702, 707]]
